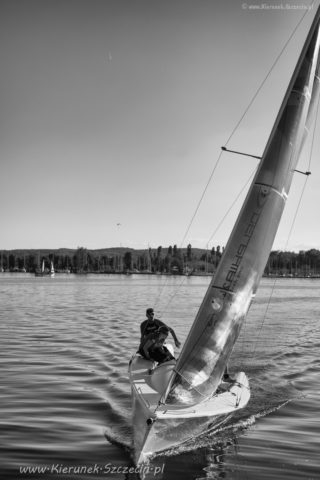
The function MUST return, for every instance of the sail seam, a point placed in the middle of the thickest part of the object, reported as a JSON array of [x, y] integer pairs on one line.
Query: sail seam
[[305, 93], [282, 194]]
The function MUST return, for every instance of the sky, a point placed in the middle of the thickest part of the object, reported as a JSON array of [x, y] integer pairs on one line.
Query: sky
[[113, 113]]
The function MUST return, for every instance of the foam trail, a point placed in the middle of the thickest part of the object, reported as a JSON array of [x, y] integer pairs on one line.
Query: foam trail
[[122, 440], [214, 437]]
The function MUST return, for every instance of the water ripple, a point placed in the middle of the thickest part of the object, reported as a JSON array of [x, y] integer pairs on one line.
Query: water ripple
[[65, 344]]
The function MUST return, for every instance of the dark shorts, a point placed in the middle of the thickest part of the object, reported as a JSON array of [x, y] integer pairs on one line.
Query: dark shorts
[[160, 354]]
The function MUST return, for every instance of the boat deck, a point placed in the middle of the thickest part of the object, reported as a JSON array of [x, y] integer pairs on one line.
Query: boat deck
[[149, 388]]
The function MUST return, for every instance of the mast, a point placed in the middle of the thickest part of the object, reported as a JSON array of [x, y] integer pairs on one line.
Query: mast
[[220, 317]]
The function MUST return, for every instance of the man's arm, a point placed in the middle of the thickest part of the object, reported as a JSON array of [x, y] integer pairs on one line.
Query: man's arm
[[174, 336], [146, 347]]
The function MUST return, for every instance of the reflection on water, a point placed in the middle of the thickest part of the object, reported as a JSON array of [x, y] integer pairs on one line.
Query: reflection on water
[[65, 396]]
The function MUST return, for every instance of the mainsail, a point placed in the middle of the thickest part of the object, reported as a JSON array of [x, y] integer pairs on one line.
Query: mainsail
[[217, 325]]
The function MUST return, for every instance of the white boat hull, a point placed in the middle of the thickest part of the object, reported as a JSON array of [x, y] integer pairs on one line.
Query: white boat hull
[[158, 427]]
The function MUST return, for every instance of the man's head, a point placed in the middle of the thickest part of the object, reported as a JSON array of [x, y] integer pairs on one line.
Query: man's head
[[162, 334], [150, 313]]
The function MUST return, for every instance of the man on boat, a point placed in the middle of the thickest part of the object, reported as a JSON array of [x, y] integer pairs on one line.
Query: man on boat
[[151, 325], [153, 348]]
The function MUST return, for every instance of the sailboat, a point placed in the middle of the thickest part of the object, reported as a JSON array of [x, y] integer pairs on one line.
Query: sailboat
[[52, 272], [40, 272], [180, 400]]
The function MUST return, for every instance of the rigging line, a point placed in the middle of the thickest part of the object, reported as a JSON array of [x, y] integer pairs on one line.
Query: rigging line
[[195, 213], [275, 279], [172, 297], [191, 222], [296, 212], [161, 313], [285, 247], [264, 318], [232, 205], [217, 228], [219, 225], [231, 135], [202, 197], [307, 173], [265, 79], [293, 221], [313, 134], [229, 138]]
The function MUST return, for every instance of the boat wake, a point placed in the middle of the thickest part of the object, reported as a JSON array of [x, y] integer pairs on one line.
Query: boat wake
[[223, 435], [121, 438]]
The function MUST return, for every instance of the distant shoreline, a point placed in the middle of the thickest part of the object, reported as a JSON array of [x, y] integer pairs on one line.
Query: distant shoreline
[[157, 261], [195, 274]]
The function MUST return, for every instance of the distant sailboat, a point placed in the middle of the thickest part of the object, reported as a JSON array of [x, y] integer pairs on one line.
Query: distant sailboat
[[67, 270], [180, 400], [52, 272], [40, 272]]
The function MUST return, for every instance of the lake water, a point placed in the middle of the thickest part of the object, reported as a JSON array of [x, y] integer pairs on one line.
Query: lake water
[[65, 397]]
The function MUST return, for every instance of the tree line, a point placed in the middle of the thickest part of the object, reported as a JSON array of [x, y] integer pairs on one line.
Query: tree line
[[169, 260]]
